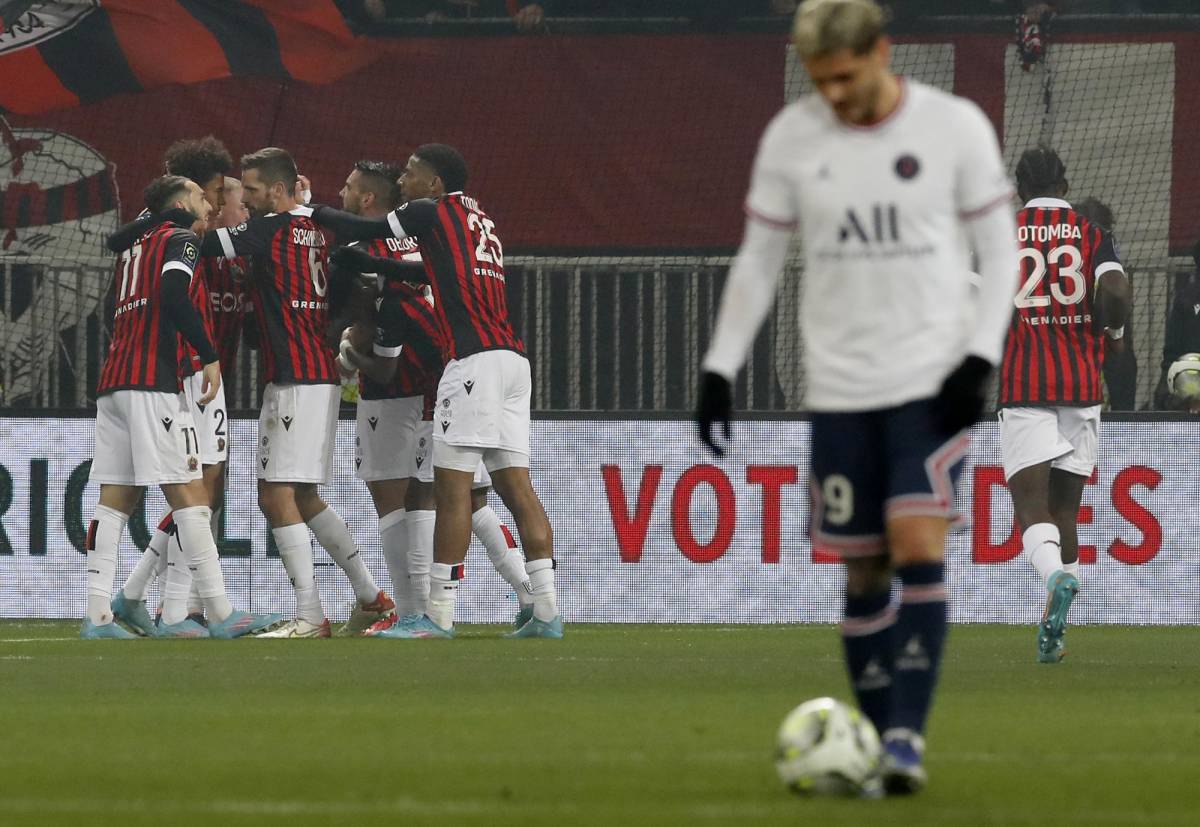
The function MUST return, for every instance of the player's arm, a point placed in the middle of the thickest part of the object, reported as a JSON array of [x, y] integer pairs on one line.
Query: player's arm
[[749, 291], [983, 196], [1114, 293], [178, 265], [127, 234], [353, 260], [249, 238], [411, 219]]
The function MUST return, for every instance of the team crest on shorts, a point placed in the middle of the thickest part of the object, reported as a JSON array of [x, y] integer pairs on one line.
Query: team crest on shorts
[[220, 443], [193, 463], [907, 167]]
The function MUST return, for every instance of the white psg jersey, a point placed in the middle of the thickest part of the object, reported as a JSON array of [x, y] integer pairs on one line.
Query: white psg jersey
[[886, 311]]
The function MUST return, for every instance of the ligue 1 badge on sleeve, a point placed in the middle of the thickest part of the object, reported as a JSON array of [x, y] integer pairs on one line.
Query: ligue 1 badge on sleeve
[[190, 253]]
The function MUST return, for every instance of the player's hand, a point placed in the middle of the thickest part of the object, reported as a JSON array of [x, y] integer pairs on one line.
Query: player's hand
[[211, 383], [959, 403], [353, 259], [715, 405], [303, 192], [529, 17]]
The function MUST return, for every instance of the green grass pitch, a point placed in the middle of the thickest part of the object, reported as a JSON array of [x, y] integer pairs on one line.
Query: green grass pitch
[[615, 725]]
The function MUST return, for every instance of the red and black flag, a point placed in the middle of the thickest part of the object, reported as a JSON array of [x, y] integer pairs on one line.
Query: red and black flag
[[72, 52]]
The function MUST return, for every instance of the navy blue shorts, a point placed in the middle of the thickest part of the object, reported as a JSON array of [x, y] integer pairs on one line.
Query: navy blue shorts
[[869, 467]]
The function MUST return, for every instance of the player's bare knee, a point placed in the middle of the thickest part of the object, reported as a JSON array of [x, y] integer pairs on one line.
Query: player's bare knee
[[868, 575], [916, 540], [479, 498]]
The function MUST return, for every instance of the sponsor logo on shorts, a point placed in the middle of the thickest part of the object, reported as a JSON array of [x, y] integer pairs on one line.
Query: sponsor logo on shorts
[[166, 423], [373, 421], [470, 383], [264, 461], [287, 422], [201, 407]]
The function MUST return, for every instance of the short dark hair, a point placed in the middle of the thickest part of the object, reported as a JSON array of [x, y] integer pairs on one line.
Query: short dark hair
[[275, 165], [380, 178], [198, 158], [161, 192], [1097, 212], [1040, 172], [447, 162]]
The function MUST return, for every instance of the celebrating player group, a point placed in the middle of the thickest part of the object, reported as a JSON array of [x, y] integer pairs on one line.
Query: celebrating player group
[[899, 191], [444, 381]]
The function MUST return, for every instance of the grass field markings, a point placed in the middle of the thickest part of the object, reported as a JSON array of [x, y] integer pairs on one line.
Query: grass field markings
[[35, 639], [16, 657], [400, 806]]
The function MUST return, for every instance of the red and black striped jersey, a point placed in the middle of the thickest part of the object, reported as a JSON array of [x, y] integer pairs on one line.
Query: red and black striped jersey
[[143, 353], [229, 303], [1055, 350], [289, 264], [406, 327], [189, 361], [465, 262]]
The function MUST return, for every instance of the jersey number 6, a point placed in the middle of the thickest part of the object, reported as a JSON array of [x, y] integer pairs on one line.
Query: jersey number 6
[[1068, 271]]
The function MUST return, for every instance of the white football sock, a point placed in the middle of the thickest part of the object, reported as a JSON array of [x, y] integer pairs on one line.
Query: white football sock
[[333, 535], [176, 584], [443, 593], [503, 552], [394, 537], [104, 537], [151, 565], [1043, 549], [193, 529], [295, 549], [1072, 568], [420, 555], [545, 599]]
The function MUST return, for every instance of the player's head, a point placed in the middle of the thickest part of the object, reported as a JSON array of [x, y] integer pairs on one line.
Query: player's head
[[204, 160], [175, 191], [234, 212], [846, 53], [1097, 212], [1041, 174], [372, 189], [432, 171], [269, 180]]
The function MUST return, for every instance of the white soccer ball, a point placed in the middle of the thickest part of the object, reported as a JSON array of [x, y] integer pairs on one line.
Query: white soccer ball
[[827, 748], [1183, 377]]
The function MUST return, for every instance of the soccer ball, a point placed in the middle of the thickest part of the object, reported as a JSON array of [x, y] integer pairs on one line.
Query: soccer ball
[[828, 748], [1183, 377]]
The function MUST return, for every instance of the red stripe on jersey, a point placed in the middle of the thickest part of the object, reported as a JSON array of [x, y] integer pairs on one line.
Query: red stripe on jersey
[[464, 266]]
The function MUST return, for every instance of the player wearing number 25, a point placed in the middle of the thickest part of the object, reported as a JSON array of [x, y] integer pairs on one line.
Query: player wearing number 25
[[1073, 296]]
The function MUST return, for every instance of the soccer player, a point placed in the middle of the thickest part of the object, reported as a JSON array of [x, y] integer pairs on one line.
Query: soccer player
[[892, 184], [205, 161], [399, 379], [1074, 295], [483, 397], [145, 433]]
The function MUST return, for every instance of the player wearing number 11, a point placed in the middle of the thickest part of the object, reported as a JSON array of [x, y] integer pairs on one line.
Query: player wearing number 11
[[1072, 288]]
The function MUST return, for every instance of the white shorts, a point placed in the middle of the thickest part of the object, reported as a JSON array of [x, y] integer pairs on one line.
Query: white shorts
[[145, 438], [385, 438], [483, 411], [210, 420], [423, 459], [296, 431], [1066, 437]]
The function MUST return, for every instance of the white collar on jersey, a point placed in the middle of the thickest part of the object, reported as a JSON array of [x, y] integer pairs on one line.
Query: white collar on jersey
[[1047, 204]]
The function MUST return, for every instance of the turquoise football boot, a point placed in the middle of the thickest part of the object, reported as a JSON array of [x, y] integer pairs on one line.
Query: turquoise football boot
[[551, 629], [1062, 589], [419, 628], [105, 631], [186, 629], [524, 615], [242, 623], [133, 614]]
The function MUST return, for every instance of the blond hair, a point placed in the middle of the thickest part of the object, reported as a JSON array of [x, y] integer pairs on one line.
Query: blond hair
[[822, 27]]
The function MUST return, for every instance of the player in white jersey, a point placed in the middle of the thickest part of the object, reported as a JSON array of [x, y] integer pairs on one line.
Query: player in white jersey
[[892, 185]]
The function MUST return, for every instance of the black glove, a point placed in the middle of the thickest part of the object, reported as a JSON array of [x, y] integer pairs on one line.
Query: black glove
[[715, 405], [959, 403], [354, 260]]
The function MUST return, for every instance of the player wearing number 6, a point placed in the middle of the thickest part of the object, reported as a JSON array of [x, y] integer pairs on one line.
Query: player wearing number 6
[[1074, 296], [897, 350]]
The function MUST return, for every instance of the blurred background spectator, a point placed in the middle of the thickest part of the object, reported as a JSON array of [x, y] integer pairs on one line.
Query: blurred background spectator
[[1183, 331]]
